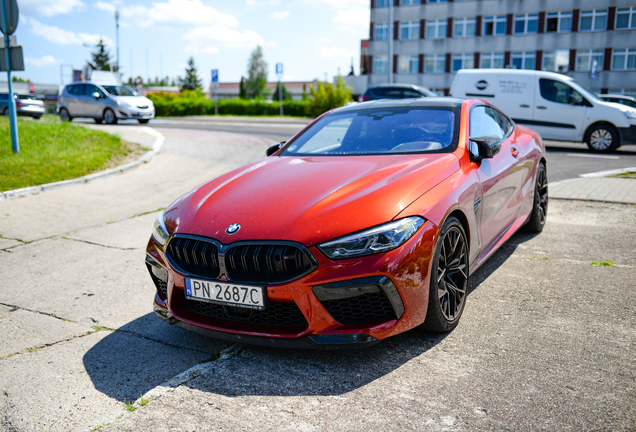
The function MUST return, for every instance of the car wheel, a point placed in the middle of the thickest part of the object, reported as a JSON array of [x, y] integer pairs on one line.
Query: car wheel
[[64, 115], [5, 112], [36, 117], [109, 117], [449, 278], [540, 207], [602, 139], [143, 121], [99, 120]]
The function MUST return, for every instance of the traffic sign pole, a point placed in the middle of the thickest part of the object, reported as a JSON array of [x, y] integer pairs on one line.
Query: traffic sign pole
[[279, 72], [214, 84], [11, 102]]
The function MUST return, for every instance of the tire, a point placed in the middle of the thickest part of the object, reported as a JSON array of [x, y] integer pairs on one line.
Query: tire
[[539, 213], [602, 139], [64, 115], [99, 120], [449, 278], [5, 112], [36, 117], [110, 117], [143, 121]]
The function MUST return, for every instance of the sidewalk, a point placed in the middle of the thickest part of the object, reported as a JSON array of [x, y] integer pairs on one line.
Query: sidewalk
[[597, 187]]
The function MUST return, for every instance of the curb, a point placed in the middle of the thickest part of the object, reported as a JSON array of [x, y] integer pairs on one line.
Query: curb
[[32, 190]]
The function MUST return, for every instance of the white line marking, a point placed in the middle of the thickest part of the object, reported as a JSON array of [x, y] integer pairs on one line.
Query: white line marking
[[592, 156]]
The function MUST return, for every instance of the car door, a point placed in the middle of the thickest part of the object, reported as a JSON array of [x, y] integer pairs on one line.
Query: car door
[[73, 99], [93, 107], [501, 180], [559, 110]]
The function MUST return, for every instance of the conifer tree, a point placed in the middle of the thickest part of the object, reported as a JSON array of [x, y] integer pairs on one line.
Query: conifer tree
[[191, 80], [101, 58]]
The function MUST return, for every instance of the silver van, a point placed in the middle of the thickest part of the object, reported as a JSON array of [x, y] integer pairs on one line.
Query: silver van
[[103, 103]]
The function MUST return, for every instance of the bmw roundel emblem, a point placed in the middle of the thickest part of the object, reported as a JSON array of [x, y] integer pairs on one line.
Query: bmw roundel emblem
[[233, 229]]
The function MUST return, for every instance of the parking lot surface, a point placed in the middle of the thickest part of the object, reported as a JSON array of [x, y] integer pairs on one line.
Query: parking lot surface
[[547, 340]]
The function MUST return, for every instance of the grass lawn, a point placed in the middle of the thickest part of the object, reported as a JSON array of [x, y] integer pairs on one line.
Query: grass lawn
[[629, 175], [54, 151]]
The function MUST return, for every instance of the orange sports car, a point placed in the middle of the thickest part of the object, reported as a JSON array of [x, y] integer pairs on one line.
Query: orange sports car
[[367, 223]]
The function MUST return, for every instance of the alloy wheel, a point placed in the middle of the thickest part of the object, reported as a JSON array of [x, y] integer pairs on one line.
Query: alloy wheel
[[452, 274], [63, 115], [109, 117], [541, 197], [601, 139]]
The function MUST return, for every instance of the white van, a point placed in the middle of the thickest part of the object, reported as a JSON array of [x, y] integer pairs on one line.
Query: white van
[[554, 105]]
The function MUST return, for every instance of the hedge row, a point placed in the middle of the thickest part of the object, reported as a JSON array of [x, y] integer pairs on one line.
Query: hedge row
[[180, 106]]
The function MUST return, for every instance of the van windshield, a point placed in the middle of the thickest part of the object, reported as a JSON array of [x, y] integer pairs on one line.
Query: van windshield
[[119, 90], [585, 91]]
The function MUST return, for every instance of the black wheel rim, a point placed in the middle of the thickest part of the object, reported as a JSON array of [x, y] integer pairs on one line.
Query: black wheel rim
[[109, 116], [63, 115], [541, 196], [452, 274]]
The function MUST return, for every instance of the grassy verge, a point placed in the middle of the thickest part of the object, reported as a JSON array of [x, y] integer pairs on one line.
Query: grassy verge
[[630, 175], [53, 151]]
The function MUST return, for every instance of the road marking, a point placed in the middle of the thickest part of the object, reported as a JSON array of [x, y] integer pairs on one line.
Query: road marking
[[592, 156], [237, 124]]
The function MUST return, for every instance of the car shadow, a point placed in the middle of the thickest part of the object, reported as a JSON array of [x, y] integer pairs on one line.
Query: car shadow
[[146, 353]]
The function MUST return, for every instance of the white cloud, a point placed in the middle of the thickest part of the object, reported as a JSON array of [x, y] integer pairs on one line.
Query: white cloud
[[44, 61], [279, 15], [204, 50], [336, 52], [353, 17], [228, 37], [344, 4], [64, 37], [261, 3], [49, 7], [170, 13]]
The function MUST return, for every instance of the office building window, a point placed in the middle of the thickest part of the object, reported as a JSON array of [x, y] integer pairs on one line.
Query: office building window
[[408, 64], [464, 27], [558, 22], [624, 59], [625, 18], [436, 29], [556, 61], [491, 60], [593, 20], [585, 58], [382, 3], [463, 61], [381, 31], [437, 1], [494, 25], [410, 30], [380, 65], [435, 64], [410, 2], [526, 23], [523, 60]]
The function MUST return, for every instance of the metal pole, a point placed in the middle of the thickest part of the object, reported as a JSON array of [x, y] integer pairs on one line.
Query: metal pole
[[390, 40], [117, 36], [216, 106], [11, 102], [280, 96]]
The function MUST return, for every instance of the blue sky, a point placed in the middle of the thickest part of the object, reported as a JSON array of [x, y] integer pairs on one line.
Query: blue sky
[[311, 37]]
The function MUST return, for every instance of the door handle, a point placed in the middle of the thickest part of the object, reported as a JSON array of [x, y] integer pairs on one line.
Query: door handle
[[542, 107], [524, 106], [515, 153]]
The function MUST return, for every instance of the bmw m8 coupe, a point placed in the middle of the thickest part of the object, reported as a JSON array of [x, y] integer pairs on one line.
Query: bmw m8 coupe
[[365, 224]]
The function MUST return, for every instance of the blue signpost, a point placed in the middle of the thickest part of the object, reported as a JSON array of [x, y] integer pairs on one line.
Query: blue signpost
[[9, 11], [214, 84], [279, 72]]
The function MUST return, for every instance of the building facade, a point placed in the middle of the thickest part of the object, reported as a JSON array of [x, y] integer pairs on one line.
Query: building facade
[[594, 41]]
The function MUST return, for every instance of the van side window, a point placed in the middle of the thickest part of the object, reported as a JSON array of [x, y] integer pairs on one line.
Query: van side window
[[485, 121], [558, 92]]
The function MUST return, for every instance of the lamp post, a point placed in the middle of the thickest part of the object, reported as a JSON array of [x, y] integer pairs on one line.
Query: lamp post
[[117, 36], [390, 40]]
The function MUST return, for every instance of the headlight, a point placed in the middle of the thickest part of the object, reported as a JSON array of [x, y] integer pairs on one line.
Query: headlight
[[630, 114], [382, 238], [160, 234]]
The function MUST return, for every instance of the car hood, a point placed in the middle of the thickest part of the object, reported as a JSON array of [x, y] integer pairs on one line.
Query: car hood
[[307, 199], [134, 100]]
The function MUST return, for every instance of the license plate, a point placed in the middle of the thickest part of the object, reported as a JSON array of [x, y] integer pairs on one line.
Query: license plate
[[245, 296]]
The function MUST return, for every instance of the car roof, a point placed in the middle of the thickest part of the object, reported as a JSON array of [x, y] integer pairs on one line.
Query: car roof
[[432, 102], [618, 96], [527, 72], [395, 85]]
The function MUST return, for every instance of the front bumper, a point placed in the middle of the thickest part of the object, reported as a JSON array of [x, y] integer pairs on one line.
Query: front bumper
[[31, 110], [135, 113], [404, 270], [628, 135]]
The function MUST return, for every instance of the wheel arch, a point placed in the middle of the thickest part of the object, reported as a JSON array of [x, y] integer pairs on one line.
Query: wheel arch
[[459, 214], [589, 129]]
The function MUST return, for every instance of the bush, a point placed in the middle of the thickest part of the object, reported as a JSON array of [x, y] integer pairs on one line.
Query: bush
[[327, 97], [191, 103]]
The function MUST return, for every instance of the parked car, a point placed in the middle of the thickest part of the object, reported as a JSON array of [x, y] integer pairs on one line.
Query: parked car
[[104, 103], [396, 91], [554, 105], [26, 105], [367, 223], [621, 99]]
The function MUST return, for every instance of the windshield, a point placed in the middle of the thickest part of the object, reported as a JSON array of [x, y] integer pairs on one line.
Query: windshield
[[585, 91], [379, 131], [119, 90]]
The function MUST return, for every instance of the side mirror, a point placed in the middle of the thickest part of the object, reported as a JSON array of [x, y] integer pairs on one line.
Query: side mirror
[[95, 95], [488, 145], [273, 149]]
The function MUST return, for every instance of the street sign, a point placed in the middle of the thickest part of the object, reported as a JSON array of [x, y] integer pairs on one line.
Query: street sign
[[11, 13], [17, 59], [215, 75], [594, 69], [279, 68]]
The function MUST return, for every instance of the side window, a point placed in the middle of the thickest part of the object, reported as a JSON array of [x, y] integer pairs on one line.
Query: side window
[[389, 93], [558, 92], [504, 122], [78, 89], [408, 93], [72, 89], [485, 121], [90, 89]]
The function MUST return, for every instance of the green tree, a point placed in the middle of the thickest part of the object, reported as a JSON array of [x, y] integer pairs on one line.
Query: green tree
[[256, 82], [286, 95], [242, 92], [100, 58], [326, 96], [191, 80]]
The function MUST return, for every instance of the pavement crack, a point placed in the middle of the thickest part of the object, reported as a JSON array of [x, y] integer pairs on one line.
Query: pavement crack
[[97, 244], [16, 307], [14, 239]]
